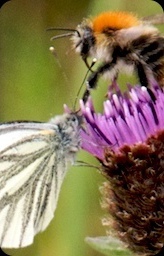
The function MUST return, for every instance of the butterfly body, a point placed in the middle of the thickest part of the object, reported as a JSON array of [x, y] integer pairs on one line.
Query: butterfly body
[[34, 159]]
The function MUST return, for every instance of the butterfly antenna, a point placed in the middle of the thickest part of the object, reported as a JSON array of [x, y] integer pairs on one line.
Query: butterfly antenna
[[87, 91], [53, 51]]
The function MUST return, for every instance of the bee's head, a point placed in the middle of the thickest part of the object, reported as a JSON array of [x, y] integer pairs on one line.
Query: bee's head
[[84, 40], [93, 36]]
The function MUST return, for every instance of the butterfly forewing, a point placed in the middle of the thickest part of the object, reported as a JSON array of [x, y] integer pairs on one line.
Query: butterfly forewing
[[33, 163]]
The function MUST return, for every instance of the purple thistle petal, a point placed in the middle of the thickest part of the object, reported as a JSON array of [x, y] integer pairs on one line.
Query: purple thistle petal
[[128, 118]]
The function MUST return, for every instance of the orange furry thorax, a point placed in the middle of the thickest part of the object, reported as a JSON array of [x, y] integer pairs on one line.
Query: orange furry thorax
[[114, 20]]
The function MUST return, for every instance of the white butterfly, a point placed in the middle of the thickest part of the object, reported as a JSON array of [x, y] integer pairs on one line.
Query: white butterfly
[[33, 162]]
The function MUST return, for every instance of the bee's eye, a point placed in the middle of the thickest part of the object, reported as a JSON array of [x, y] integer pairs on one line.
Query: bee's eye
[[85, 48], [88, 41]]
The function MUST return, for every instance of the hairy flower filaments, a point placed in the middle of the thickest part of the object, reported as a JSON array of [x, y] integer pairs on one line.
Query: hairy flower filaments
[[128, 140]]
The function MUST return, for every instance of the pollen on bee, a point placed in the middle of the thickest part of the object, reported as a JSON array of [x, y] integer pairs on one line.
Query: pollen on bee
[[114, 20]]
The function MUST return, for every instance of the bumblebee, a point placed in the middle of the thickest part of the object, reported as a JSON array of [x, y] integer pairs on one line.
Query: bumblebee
[[120, 42]]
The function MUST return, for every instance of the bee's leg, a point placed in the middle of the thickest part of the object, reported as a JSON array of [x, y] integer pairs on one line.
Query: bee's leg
[[142, 74], [86, 95], [143, 78], [93, 78], [114, 80]]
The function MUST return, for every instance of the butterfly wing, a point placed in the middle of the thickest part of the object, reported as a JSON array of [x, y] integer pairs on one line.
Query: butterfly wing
[[33, 164]]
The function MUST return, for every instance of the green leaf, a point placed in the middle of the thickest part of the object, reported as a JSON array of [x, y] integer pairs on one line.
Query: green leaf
[[109, 246]]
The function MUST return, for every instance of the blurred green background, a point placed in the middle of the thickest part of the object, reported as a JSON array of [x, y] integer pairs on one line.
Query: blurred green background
[[34, 85]]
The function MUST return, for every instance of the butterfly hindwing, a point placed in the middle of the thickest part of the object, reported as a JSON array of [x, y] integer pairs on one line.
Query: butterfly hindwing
[[33, 163]]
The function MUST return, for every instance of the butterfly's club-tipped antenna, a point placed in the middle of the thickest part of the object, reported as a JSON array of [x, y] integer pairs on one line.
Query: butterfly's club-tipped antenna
[[87, 91]]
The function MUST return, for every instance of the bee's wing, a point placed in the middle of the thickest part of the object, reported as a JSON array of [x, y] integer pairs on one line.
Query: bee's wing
[[154, 19], [32, 168]]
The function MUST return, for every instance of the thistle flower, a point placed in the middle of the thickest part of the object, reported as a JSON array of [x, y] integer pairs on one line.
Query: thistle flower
[[128, 140]]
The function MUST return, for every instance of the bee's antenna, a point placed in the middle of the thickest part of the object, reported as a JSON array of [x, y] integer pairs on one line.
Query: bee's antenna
[[87, 91], [65, 34]]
